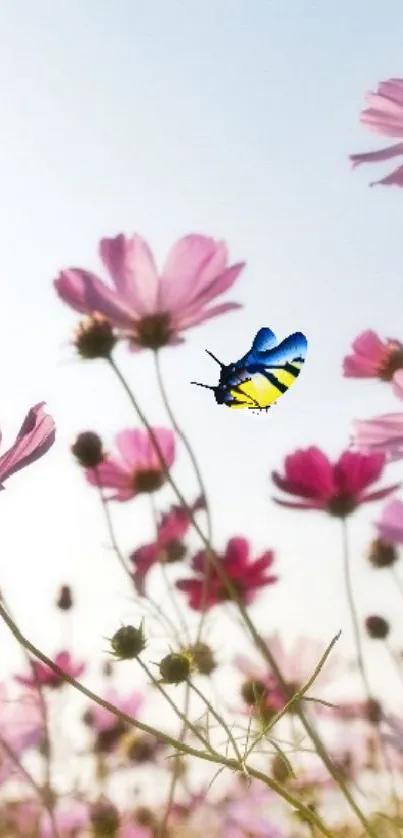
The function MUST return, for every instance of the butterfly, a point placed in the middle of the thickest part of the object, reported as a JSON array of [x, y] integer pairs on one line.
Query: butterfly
[[267, 371]]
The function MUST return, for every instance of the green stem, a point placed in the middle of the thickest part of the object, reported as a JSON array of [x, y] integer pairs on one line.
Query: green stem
[[353, 610], [180, 747]]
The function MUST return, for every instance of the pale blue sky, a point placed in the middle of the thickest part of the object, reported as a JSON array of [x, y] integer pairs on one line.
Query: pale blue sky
[[233, 119]]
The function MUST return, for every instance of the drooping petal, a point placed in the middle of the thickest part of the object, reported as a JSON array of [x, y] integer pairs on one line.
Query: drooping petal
[[133, 270], [377, 156], [35, 437], [87, 294], [379, 494], [143, 558]]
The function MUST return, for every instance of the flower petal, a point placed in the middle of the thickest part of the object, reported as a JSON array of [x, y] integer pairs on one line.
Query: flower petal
[[84, 292], [35, 437], [390, 524], [133, 270]]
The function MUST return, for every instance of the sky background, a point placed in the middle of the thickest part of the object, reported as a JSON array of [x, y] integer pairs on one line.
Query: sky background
[[231, 119]]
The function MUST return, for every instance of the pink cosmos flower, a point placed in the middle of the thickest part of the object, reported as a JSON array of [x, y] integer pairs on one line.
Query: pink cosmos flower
[[35, 437], [296, 665], [21, 727], [381, 435], [102, 720], [390, 524], [136, 468], [168, 546], [337, 488], [150, 309], [45, 676], [207, 589], [385, 117], [373, 357]]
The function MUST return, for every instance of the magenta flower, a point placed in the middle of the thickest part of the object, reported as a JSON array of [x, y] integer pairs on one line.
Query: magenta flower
[[384, 116], [35, 437], [373, 357], [247, 576], [168, 546], [137, 468], [382, 435], [46, 677], [390, 524], [149, 309], [337, 488]]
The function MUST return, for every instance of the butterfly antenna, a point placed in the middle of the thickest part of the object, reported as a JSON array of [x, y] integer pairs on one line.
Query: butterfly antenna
[[207, 386], [215, 359]]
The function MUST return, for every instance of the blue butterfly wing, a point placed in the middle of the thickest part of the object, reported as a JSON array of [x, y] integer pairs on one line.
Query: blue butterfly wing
[[290, 349], [264, 340]]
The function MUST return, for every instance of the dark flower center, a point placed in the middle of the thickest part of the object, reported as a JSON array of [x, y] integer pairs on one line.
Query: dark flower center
[[94, 337], [107, 740], [253, 691], [382, 554], [154, 331], [142, 748], [393, 363], [341, 505], [148, 480], [173, 552]]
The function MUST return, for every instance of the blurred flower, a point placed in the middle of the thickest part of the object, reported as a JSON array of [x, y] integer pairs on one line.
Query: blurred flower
[[246, 576], [35, 437], [88, 449], [390, 524], [101, 719], [384, 116], [64, 598], [136, 468], [168, 546], [337, 488], [142, 747], [377, 627], [397, 384], [382, 553], [70, 817], [21, 727], [296, 665], [373, 357], [149, 309], [394, 731], [45, 676], [202, 657], [383, 434]]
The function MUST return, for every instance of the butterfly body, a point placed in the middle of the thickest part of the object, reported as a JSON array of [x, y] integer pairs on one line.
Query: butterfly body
[[265, 373]]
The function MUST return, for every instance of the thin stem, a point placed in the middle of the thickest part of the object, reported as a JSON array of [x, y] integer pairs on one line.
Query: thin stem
[[235, 596], [121, 559], [176, 768], [181, 747], [397, 580], [181, 434], [353, 609], [220, 721]]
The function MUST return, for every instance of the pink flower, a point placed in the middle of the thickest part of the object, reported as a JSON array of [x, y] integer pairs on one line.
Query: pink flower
[[102, 720], [397, 384], [168, 546], [247, 576], [390, 524], [45, 676], [21, 727], [149, 309], [373, 357], [137, 468], [385, 117], [35, 437], [382, 435], [337, 488], [296, 665]]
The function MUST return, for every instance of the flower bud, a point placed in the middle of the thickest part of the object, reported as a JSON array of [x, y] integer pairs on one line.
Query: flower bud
[[381, 553], [128, 642], [88, 449], [377, 627], [253, 691], [373, 711], [104, 818], [280, 769], [65, 600], [175, 668], [94, 337], [201, 658]]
